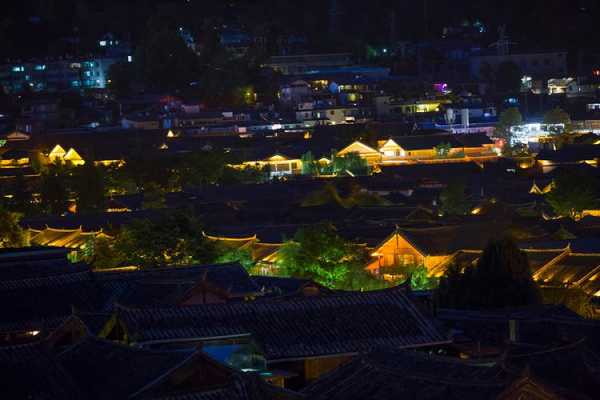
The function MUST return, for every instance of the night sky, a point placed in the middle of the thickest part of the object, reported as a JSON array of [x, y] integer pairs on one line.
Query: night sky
[[534, 23]]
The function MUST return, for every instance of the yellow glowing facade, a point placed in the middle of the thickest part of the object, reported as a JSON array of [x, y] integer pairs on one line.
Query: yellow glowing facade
[[366, 152], [14, 162], [278, 164], [389, 152], [71, 156], [75, 239]]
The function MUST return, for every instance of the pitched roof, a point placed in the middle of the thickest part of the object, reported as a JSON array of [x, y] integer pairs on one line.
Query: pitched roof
[[99, 369], [31, 372], [426, 142], [542, 325], [474, 139], [297, 328], [388, 374], [170, 286], [106, 370], [571, 153], [447, 240], [565, 372], [571, 269]]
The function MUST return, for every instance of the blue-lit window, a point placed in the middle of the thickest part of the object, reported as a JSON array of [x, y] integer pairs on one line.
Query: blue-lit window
[[103, 43], [75, 84], [88, 73], [18, 68], [40, 67]]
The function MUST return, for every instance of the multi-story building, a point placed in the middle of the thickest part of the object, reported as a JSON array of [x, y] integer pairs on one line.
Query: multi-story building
[[536, 65], [55, 75]]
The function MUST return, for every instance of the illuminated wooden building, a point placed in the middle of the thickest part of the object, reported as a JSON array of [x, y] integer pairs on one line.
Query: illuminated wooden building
[[15, 159], [440, 148], [59, 155], [71, 157], [431, 247], [278, 165], [75, 239], [264, 254]]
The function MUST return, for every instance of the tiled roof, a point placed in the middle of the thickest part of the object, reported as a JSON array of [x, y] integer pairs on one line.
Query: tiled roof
[[297, 328], [571, 153], [106, 370], [31, 372], [425, 142], [388, 374], [447, 240], [97, 369], [569, 372], [570, 269], [543, 325], [169, 286]]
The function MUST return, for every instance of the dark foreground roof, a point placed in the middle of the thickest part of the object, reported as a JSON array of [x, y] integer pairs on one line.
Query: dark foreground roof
[[388, 374], [345, 323], [98, 369]]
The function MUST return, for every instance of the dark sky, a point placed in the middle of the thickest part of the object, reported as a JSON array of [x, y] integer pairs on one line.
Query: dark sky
[[547, 23]]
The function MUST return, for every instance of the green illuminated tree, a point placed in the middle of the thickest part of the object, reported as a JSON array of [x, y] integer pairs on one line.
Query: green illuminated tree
[[172, 239], [309, 165], [243, 256], [351, 162], [419, 278], [319, 253], [442, 150]]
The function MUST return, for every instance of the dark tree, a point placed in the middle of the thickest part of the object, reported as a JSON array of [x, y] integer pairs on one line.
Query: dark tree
[[22, 197], [53, 190], [11, 233], [500, 279], [89, 186], [573, 193], [121, 76], [166, 62], [453, 200], [508, 77]]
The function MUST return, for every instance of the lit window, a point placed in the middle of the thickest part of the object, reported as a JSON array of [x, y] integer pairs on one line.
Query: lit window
[[18, 68], [103, 43], [40, 67]]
